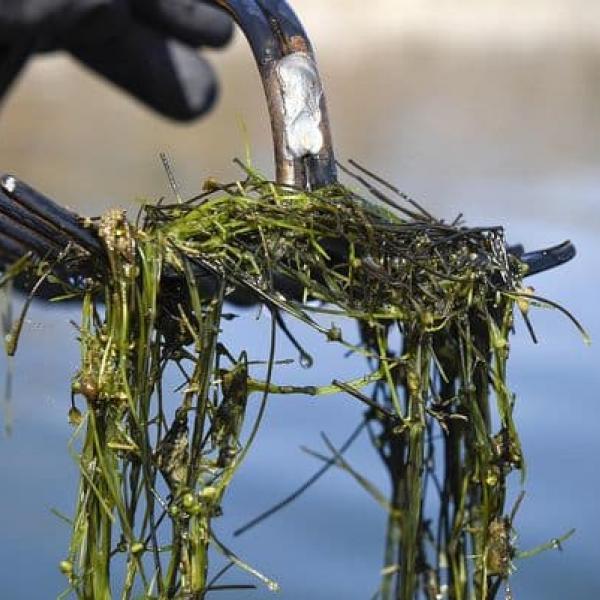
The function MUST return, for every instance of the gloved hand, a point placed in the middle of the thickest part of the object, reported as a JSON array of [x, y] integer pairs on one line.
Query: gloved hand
[[146, 47]]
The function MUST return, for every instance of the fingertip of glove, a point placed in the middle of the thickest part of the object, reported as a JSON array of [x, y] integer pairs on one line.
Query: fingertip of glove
[[197, 87], [190, 108], [221, 31], [192, 22]]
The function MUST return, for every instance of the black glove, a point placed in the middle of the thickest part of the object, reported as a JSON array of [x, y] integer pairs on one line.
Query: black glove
[[146, 47]]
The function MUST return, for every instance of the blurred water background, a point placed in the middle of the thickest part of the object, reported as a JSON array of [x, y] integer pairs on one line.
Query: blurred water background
[[490, 108]]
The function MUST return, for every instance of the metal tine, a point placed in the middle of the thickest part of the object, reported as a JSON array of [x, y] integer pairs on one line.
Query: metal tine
[[27, 237], [44, 211], [11, 212], [538, 261]]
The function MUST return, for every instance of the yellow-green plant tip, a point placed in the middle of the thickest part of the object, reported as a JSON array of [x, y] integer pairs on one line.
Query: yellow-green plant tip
[[188, 500], [194, 509], [66, 567], [137, 548], [75, 416], [209, 493]]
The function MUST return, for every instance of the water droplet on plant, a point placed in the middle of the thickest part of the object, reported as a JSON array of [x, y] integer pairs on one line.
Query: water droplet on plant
[[306, 360]]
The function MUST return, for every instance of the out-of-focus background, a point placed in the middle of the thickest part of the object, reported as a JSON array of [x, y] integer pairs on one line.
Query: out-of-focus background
[[490, 108]]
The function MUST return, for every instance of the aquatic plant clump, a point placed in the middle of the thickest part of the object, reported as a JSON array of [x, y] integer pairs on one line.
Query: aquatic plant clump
[[155, 464]]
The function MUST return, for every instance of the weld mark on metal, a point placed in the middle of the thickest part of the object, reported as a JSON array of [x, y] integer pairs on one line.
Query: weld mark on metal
[[301, 93]]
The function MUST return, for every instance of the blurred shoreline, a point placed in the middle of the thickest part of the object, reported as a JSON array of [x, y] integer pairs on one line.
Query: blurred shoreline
[[518, 24]]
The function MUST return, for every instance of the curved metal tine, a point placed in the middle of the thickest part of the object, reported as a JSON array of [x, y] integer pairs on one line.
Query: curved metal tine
[[538, 261], [298, 112], [40, 223], [319, 168]]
